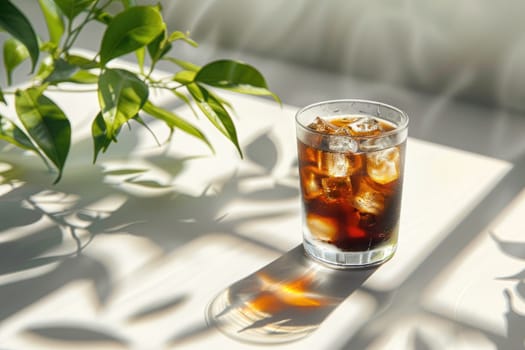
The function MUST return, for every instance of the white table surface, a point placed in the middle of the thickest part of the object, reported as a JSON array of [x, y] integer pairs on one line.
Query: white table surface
[[135, 251]]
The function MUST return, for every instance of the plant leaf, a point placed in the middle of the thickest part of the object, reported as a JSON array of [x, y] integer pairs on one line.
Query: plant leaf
[[101, 141], [177, 35], [13, 134], [159, 47], [45, 68], [184, 64], [128, 3], [81, 62], [72, 8], [184, 76], [221, 100], [175, 121], [15, 23], [54, 21], [48, 46], [2, 98], [14, 54], [236, 76], [103, 17], [186, 100], [121, 95], [141, 56], [46, 123], [62, 71], [215, 112], [141, 121], [130, 30], [83, 77]]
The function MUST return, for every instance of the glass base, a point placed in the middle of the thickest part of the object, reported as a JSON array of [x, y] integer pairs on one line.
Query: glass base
[[348, 260]]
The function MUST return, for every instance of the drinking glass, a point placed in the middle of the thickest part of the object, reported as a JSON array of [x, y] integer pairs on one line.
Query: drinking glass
[[351, 159]]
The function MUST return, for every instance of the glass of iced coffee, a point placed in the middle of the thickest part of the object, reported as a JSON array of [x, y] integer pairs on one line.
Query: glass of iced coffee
[[351, 158]]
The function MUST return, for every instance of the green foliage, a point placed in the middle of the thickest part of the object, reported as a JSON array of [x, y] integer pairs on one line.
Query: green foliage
[[13, 134], [46, 123], [72, 8], [235, 76], [175, 121], [14, 54], [130, 30], [54, 21], [123, 94], [15, 23], [215, 112]]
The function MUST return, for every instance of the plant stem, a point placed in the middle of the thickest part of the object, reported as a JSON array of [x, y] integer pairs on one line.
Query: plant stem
[[151, 69], [73, 33]]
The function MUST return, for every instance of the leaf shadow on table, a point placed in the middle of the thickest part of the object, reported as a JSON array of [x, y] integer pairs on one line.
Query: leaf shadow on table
[[44, 229], [282, 302], [515, 338], [35, 263], [66, 219], [76, 332]]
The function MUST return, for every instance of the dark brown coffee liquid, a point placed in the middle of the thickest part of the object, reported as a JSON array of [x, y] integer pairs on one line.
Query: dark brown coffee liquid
[[351, 200]]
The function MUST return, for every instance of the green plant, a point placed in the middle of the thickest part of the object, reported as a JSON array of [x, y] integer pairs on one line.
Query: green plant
[[123, 94]]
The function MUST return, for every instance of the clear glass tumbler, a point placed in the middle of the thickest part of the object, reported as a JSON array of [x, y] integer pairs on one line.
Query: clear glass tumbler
[[351, 159]]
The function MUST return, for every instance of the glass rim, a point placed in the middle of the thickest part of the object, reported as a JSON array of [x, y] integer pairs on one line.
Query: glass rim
[[399, 128]]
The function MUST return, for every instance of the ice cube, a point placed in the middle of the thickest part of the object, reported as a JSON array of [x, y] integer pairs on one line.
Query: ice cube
[[337, 138], [373, 144], [322, 228], [383, 166], [369, 201], [322, 125], [340, 143], [365, 126], [337, 188], [338, 164], [311, 183], [334, 164], [343, 131]]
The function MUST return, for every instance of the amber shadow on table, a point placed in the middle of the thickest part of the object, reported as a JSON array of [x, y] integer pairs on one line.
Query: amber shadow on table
[[284, 301]]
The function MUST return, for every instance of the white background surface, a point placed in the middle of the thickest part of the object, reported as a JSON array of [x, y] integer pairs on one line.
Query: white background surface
[[159, 244]]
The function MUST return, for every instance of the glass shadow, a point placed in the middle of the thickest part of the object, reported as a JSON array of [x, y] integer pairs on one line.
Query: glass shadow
[[284, 301]]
